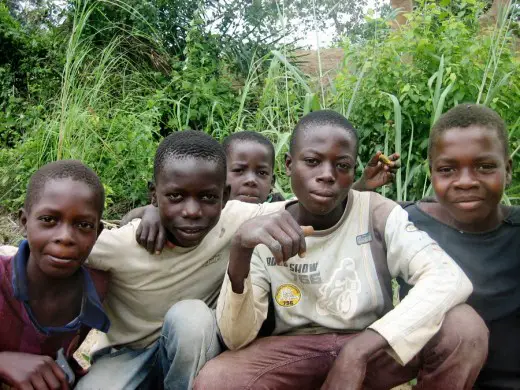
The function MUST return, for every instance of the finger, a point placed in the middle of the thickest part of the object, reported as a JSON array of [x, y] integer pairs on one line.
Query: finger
[[285, 241], [394, 157], [150, 240], [295, 234], [307, 231], [385, 160], [274, 246], [50, 378], [59, 375], [138, 233], [143, 236], [160, 241], [375, 159], [23, 386], [38, 383]]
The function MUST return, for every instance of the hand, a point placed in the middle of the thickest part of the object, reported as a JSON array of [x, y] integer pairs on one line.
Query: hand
[[349, 369], [377, 174], [25, 371], [151, 234], [279, 232]]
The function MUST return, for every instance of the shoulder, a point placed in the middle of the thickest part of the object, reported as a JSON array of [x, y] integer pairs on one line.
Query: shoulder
[[113, 244], [380, 207], [513, 215], [239, 212], [100, 280]]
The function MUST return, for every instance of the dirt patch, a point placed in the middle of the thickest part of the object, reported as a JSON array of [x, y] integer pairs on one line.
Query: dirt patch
[[10, 232]]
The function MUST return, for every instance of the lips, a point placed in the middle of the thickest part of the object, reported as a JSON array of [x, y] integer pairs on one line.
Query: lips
[[323, 195], [469, 203], [61, 261], [191, 231], [247, 198]]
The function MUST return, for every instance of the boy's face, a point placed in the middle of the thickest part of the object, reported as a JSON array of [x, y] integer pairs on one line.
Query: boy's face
[[469, 173], [250, 171], [190, 194], [322, 168], [62, 226]]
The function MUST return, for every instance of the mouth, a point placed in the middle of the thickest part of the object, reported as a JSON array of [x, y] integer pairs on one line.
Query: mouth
[[323, 196], [247, 198], [61, 261], [191, 231], [468, 204]]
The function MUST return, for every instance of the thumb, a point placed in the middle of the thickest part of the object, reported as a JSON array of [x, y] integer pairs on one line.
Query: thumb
[[375, 159]]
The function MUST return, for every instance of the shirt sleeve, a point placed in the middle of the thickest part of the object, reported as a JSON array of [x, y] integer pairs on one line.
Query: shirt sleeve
[[111, 246], [439, 285], [240, 316]]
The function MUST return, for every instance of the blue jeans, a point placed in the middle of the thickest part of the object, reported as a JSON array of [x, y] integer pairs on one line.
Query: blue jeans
[[189, 338]]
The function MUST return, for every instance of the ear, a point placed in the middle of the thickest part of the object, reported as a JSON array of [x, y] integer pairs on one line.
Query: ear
[[509, 171], [153, 192], [225, 195], [288, 164], [22, 219], [100, 228]]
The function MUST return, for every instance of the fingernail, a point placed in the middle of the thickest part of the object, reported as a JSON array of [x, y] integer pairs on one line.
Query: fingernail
[[302, 254]]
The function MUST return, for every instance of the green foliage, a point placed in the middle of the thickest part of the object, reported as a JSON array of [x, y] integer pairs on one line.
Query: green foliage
[[440, 59], [107, 84]]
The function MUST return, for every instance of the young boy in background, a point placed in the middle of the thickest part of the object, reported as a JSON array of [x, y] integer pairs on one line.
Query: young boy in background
[[335, 320], [48, 300], [470, 168], [163, 327]]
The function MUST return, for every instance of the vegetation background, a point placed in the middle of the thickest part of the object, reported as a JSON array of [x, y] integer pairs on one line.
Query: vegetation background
[[104, 80]]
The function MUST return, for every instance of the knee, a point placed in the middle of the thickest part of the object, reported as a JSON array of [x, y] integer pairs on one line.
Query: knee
[[465, 331], [189, 320], [212, 376]]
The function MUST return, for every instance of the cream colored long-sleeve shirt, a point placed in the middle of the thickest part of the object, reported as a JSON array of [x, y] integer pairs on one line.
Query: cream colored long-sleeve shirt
[[344, 282], [143, 286]]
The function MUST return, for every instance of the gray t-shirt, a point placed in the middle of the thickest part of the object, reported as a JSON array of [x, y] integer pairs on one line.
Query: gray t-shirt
[[491, 260]]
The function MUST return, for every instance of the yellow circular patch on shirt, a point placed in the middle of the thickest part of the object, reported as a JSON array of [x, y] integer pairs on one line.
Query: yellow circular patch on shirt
[[288, 295]]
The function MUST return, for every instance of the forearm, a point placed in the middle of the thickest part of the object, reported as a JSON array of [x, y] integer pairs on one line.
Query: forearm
[[240, 316], [239, 266]]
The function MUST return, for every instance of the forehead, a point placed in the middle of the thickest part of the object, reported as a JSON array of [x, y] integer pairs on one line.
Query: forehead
[[248, 150], [67, 195], [191, 173], [326, 138], [470, 141]]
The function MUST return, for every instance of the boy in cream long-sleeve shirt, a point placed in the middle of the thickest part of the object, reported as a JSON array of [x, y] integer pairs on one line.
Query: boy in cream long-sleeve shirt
[[335, 322]]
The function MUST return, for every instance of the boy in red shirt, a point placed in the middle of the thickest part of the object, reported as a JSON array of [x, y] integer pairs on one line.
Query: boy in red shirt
[[48, 301]]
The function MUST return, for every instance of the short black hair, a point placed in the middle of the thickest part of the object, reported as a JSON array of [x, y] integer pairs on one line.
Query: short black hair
[[189, 144], [64, 169], [466, 115], [249, 136], [322, 118]]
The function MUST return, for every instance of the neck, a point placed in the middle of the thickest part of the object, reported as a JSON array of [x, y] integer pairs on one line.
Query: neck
[[40, 285], [492, 221], [318, 222]]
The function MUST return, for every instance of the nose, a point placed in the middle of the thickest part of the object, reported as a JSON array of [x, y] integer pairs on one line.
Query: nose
[[64, 234], [250, 180], [191, 209], [466, 179], [326, 175]]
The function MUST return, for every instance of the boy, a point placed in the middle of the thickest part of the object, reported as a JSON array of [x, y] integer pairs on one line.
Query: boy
[[336, 302], [48, 301], [470, 168], [162, 324], [251, 160]]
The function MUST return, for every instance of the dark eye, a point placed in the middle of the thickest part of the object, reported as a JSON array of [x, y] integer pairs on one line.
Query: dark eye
[[86, 225], [263, 173], [344, 166], [445, 170], [174, 197], [48, 220], [209, 197], [312, 161], [237, 170], [486, 167]]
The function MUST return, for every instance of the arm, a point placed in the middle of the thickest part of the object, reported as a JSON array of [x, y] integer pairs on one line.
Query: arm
[[439, 285], [377, 174], [28, 371], [133, 214], [243, 303]]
